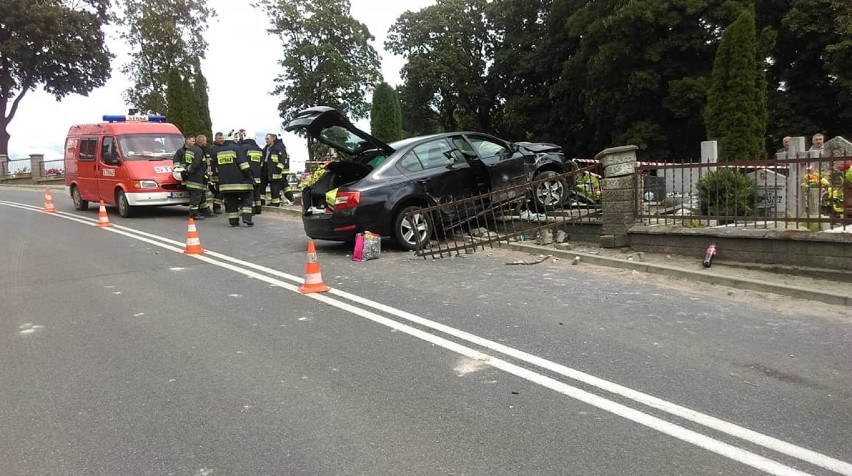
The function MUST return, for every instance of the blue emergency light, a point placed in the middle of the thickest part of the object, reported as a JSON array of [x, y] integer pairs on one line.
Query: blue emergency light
[[134, 118]]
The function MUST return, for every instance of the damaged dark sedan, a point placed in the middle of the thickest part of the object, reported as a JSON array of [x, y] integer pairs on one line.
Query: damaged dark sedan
[[379, 187]]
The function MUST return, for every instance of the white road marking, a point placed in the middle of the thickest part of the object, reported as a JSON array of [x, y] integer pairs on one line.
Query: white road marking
[[724, 449]]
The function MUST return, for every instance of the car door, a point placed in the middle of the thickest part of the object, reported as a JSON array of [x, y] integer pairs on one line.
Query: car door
[[506, 166], [438, 171], [87, 168], [110, 169]]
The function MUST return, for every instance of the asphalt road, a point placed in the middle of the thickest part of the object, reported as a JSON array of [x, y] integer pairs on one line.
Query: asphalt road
[[121, 355]]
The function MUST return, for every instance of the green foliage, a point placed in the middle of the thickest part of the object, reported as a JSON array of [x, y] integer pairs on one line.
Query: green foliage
[[726, 192], [59, 45], [178, 101], [202, 102], [446, 74], [812, 69], [736, 100], [162, 34], [328, 59], [386, 115], [636, 70]]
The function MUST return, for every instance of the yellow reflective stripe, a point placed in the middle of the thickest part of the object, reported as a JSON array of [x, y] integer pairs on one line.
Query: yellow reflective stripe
[[244, 165]]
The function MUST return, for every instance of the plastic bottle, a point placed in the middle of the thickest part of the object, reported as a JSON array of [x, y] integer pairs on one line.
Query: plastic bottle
[[709, 254]]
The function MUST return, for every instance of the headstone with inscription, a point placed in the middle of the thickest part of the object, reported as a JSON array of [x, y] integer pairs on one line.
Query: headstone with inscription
[[771, 192]]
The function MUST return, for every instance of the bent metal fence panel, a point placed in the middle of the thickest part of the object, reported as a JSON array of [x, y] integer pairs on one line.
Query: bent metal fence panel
[[805, 193], [532, 211]]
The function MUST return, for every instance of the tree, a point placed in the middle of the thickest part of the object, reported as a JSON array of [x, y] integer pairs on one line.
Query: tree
[[202, 101], [328, 59], [810, 74], [162, 34], [386, 115], [56, 44], [177, 99], [448, 46], [736, 104], [532, 45], [639, 73]]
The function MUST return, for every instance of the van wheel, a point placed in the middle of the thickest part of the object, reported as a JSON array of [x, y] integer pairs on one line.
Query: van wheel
[[79, 203], [124, 208]]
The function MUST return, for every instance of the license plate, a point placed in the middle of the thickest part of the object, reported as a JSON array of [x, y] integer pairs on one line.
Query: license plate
[[180, 194]]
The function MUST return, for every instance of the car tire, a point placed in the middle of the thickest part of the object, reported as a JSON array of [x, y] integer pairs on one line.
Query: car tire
[[550, 194], [406, 229], [124, 208], [79, 203]]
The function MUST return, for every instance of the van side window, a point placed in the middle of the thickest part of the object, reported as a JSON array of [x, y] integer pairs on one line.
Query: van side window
[[88, 148], [108, 150]]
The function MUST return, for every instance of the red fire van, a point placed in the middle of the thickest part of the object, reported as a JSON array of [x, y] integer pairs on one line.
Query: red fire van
[[125, 161]]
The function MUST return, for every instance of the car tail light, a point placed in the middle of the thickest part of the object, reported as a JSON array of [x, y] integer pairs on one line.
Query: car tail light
[[346, 200]]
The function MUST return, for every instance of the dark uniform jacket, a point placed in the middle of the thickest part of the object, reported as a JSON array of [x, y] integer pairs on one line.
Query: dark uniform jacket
[[233, 168], [278, 161], [196, 167], [254, 155], [179, 155]]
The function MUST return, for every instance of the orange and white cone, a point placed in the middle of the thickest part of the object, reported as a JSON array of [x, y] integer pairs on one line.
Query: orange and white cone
[[313, 277], [49, 207], [193, 243], [103, 219]]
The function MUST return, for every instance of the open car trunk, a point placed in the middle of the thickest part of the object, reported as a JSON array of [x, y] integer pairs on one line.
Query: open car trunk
[[337, 175]]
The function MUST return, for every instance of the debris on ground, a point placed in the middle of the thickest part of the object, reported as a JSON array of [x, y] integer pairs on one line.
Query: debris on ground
[[541, 259]]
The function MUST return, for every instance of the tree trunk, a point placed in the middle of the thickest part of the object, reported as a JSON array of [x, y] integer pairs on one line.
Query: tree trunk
[[4, 137]]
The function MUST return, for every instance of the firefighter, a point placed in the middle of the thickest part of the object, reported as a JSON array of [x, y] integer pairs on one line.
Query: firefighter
[[180, 154], [201, 142], [277, 164], [254, 155], [194, 181], [235, 181], [213, 184]]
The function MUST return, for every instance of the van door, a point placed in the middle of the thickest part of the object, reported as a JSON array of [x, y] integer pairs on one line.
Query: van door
[[111, 173], [87, 168]]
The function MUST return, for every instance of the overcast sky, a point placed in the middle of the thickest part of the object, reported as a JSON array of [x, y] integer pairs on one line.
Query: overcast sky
[[238, 34]]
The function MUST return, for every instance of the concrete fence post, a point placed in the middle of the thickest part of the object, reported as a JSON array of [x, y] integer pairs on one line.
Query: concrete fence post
[[4, 165], [619, 194], [36, 166]]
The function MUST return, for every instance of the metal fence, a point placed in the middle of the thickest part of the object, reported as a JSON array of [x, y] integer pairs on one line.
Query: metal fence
[[506, 215], [52, 168], [17, 168], [797, 193]]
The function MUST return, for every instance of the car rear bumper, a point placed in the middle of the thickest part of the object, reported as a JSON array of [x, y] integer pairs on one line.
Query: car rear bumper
[[141, 199], [328, 227], [342, 226]]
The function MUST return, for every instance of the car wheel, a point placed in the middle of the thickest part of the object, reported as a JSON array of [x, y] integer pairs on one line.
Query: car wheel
[[410, 226], [550, 193], [79, 203], [124, 208]]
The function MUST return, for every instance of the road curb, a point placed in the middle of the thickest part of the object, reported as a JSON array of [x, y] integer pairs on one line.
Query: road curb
[[702, 275]]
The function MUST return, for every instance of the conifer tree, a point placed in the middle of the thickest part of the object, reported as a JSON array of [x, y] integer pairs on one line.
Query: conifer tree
[[177, 101], [736, 101], [203, 104], [386, 114]]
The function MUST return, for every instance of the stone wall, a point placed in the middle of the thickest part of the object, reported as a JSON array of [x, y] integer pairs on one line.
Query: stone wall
[[748, 245]]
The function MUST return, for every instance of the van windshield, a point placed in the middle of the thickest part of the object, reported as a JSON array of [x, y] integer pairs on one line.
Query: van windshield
[[149, 146]]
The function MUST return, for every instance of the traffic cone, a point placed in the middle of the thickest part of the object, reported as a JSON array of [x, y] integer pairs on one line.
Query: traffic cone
[[313, 277], [49, 207], [103, 219], [193, 243]]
